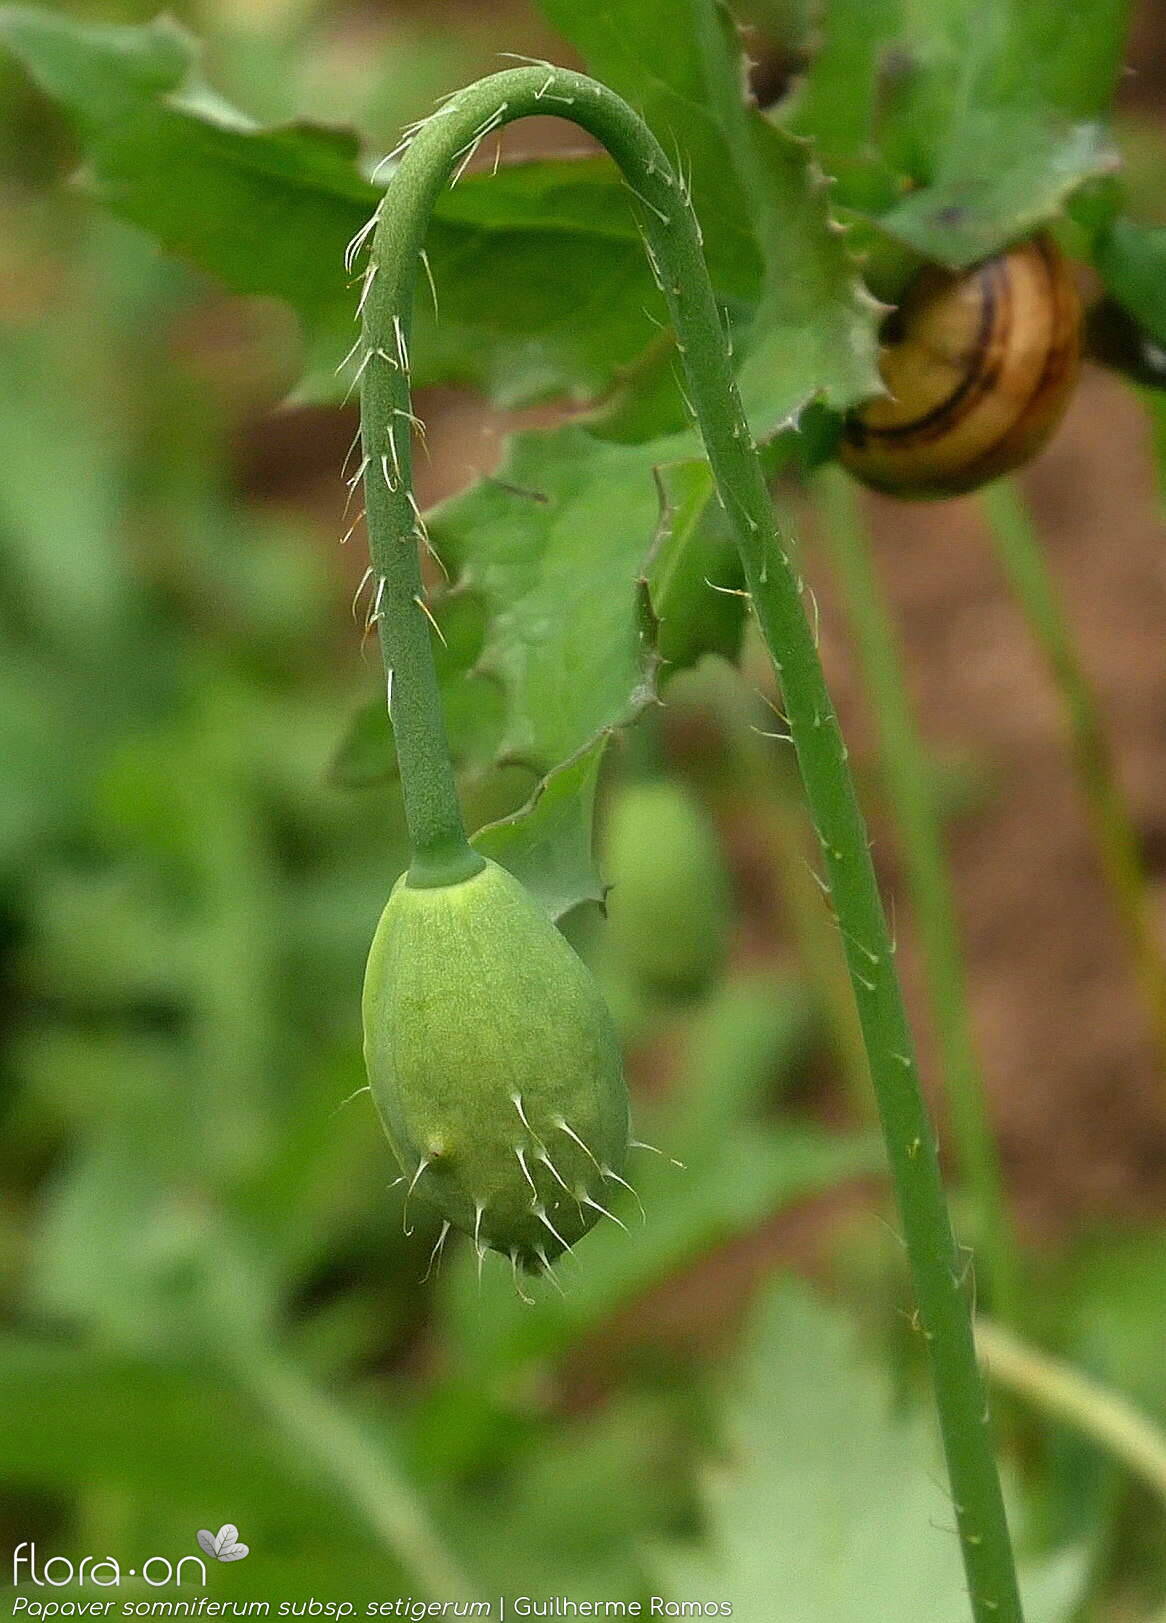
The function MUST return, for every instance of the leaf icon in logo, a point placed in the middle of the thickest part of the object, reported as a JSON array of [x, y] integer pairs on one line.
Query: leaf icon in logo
[[223, 1545]]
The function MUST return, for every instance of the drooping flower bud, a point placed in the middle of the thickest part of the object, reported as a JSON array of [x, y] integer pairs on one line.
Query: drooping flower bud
[[668, 906], [494, 1065]]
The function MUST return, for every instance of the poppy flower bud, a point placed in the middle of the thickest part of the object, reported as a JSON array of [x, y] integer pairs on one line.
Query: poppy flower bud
[[494, 1065], [668, 906]]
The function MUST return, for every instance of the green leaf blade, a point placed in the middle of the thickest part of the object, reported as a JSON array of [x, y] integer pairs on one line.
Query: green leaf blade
[[837, 1546], [556, 546], [547, 843], [541, 277]]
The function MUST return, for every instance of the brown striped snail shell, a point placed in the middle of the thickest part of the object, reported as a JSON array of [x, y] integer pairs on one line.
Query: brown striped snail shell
[[979, 366]]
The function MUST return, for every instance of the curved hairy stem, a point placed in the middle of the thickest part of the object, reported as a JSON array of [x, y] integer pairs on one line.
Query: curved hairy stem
[[672, 237], [912, 796]]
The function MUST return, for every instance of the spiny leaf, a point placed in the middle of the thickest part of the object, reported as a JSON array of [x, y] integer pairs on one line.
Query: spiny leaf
[[805, 329], [987, 119], [555, 545], [693, 572], [524, 543], [1003, 172], [814, 334], [548, 843]]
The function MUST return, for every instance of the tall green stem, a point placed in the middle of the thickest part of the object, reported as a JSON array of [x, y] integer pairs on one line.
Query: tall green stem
[[674, 247], [912, 794], [1019, 552]]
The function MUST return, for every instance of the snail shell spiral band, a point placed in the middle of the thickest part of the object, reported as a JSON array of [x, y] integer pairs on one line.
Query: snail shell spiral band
[[979, 366]]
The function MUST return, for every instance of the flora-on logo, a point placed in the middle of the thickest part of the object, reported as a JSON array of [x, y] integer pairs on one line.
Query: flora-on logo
[[104, 1571], [223, 1545]]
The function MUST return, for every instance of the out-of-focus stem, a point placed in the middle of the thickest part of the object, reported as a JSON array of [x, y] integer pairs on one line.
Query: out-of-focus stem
[[1018, 549], [789, 846], [1063, 1393], [382, 1496], [910, 786]]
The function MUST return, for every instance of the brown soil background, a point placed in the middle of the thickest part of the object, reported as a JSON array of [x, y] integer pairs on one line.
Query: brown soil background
[[1076, 1092]]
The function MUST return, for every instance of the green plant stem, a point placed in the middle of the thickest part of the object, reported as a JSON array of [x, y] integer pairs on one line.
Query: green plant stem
[[673, 239], [340, 1447], [910, 784], [441, 854], [1064, 1393], [1019, 551]]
